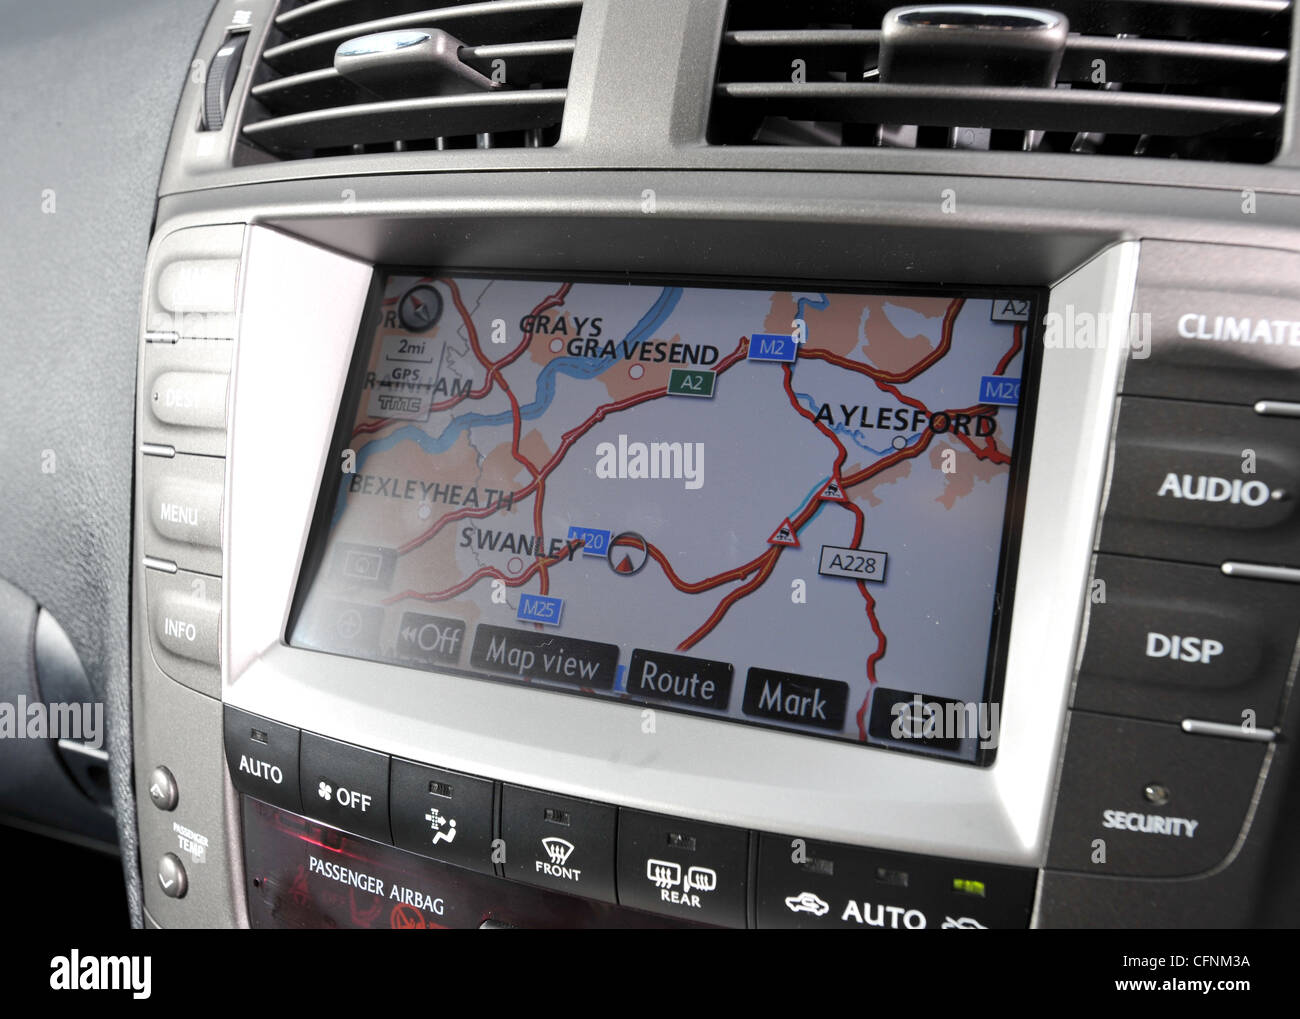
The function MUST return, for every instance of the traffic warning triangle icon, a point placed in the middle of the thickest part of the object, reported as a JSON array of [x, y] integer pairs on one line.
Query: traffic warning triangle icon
[[834, 491], [784, 535]]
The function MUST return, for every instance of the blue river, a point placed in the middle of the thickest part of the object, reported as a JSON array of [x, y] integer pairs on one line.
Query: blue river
[[573, 367]]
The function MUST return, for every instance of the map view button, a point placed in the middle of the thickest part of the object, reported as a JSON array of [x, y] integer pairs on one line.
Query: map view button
[[693, 681], [799, 700], [527, 654]]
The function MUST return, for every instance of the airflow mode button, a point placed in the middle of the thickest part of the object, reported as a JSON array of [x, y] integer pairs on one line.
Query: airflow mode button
[[1203, 483]]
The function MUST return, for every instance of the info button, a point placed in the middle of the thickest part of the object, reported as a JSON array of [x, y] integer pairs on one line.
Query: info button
[[692, 682]]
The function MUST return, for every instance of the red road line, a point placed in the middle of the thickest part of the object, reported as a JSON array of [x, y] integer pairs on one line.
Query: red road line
[[1017, 341], [569, 438]]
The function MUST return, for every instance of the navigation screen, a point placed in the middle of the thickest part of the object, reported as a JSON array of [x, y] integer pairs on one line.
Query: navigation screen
[[784, 507]]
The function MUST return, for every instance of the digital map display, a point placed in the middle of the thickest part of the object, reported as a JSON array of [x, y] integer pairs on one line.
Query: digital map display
[[784, 507]]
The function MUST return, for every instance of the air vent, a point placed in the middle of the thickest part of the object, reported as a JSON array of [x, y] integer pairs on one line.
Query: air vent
[[1192, 79], [436, 76]]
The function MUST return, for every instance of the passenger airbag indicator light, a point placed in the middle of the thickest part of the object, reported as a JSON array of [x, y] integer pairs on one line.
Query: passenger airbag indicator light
[[965, 886]]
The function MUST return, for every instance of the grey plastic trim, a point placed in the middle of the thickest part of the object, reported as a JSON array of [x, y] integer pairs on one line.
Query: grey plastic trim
[[691, 766], [1277, 408], [610, 125], [1261, 571], [1199, 727]]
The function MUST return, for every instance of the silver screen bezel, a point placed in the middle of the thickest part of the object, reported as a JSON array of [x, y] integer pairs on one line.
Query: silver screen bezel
[[301, 309]]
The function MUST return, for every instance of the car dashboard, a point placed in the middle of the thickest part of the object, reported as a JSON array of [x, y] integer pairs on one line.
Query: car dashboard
[[583, 463]]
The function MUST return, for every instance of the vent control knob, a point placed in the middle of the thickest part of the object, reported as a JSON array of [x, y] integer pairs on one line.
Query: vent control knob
[[961, 44], [220, 82]]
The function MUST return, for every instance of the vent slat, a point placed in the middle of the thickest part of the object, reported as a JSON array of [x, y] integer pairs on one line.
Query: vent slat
[[1170, 61], [408, 119], [312, 90], [299, 106], [529, 61], [1199, 79], [1215, 20], [1014, 108], [521, 18], [320, 15]]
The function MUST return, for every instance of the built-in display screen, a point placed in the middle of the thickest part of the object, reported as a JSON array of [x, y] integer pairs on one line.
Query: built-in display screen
[[784, 506]]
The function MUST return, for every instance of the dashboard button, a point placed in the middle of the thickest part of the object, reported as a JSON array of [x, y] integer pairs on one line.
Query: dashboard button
[[809, 884], [262, 756], [184, 394], [189, 399], [797, 700], [172, 878], [185, 619], [677, 679], [683, 868], [442, 814], [1145, 799], [1168, 641], [183, 497], [1224, 323], [345, 786], [162, 788], [1203, 483], [559, 842]]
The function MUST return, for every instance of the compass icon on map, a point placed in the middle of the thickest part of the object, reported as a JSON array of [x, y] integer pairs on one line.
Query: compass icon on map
[[420, 308], [628, 553]]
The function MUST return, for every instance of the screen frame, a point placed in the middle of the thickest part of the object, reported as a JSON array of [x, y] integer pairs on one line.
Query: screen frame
[[300, 309], [1012, 511]]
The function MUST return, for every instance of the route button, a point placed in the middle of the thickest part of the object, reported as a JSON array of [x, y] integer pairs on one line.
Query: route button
[[677, 679], [796, 700]]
